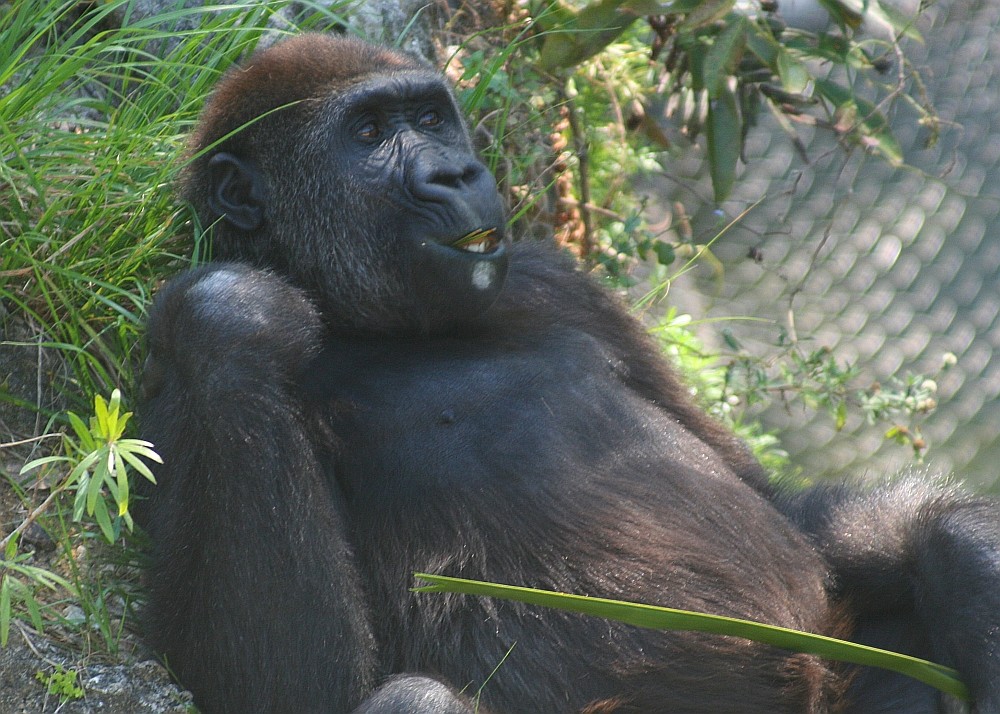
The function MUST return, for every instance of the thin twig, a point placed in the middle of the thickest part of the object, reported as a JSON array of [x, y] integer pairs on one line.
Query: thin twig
[[583, 161], [30, 440]]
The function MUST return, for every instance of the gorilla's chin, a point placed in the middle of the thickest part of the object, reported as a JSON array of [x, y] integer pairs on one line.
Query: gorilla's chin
[[456, 282]]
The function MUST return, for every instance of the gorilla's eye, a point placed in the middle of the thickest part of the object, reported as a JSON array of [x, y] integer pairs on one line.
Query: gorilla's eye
[[369, 131], [430, 119]]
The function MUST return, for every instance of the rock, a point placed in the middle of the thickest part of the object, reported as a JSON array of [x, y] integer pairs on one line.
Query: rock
[[141, 687]]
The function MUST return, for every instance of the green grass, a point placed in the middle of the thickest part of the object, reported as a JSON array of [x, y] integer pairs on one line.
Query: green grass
[[96, 106], [89, 138]]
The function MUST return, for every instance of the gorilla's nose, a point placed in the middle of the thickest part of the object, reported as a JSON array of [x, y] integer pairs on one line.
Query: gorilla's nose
[[443, 180]]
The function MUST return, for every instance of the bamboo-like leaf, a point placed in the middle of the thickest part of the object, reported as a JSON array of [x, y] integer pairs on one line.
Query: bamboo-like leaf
[[83, 433], [80, 500], [101, 414], [11, 550], [724, 55], [78, 472], [723, 131], [662, 618], [34, 611], [35, 463], [5, 613], [129, 454], [121, 477], [104, 521], [102, 473]]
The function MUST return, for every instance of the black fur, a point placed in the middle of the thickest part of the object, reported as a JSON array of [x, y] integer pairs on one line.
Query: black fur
[[354, 398]]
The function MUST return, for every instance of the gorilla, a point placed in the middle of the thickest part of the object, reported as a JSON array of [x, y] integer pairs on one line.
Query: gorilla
[[372, 379]]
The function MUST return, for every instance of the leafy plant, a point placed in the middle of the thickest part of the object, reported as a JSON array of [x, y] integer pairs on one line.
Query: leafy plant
[[18, 586], [733, 382], [61, 682], [100, 458], [724, 62]]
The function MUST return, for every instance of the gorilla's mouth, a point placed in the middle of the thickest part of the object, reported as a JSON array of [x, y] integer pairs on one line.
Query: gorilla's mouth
[[483, 240]]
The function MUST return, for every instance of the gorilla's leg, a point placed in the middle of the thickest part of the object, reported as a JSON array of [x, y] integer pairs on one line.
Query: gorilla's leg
[[913, 546]]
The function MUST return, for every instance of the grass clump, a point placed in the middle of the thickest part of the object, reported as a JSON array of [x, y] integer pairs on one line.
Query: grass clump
[[95, 102]]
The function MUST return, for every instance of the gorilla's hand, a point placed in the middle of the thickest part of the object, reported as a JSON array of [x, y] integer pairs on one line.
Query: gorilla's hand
[[219, 323]]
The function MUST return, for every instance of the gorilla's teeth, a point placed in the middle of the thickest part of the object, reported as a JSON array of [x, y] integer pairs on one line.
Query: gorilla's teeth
[[478, 241]]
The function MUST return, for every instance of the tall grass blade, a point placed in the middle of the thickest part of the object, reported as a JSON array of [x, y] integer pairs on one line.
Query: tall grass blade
[[663, 618]]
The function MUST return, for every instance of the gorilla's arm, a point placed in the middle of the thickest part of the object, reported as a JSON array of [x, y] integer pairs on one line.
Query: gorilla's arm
[[244, 529], [913, 546], [251, 573]]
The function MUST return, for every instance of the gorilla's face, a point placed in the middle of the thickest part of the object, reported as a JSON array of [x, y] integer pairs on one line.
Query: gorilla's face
[[374, 200]]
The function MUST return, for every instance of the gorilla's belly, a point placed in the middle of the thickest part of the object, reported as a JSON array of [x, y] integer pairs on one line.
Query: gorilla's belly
[[418, 416]]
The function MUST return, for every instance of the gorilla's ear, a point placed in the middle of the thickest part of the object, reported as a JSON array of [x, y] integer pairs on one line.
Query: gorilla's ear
[[236, 193]]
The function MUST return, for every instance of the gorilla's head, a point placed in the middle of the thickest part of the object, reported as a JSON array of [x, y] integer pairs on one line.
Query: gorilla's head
[[348, 168]]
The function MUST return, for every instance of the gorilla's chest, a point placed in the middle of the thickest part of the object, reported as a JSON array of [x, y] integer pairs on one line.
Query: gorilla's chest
[[417, 416]]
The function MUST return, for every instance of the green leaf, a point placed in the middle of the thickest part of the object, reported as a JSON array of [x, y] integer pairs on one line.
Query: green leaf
[[5, 613], [723, 130], [80, 470], [899, 21], [83, 434], [724, 55], [101, 414], [102, 472], [11, 550], [665, 254], [846, 13], [104, 521], [122, 481], [704, 13], [34, 612], [861, 116], [35, 463], [129, 455], [663, 618], [80, 500], [794, 76], [650, 7], [588, 32], [762, 43]]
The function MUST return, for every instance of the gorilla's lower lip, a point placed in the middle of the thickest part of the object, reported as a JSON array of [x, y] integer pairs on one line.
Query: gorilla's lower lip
[[483, 240]]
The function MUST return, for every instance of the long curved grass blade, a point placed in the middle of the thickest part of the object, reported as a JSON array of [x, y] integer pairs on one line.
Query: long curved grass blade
[[664, 618]]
